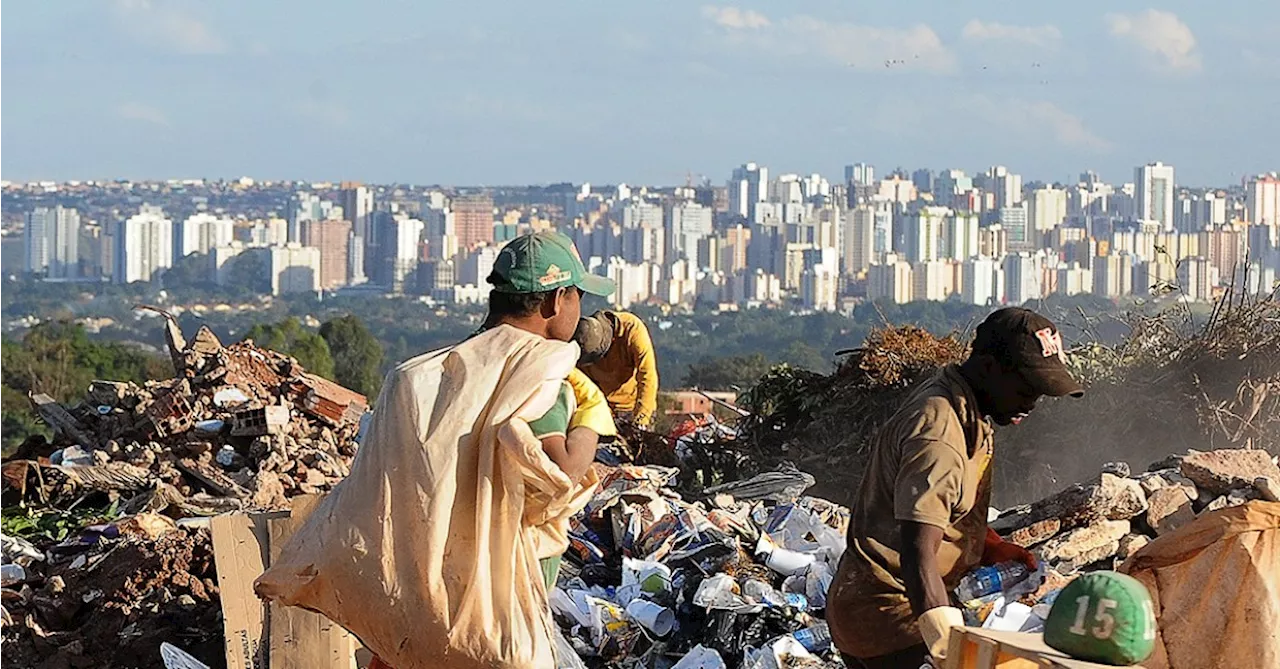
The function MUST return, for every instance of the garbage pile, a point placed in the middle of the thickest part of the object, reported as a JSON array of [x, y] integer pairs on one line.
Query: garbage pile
[[737, 578], [120, 499]]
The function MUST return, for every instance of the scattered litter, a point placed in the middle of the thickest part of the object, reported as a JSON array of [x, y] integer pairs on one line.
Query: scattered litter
[[176, 658]]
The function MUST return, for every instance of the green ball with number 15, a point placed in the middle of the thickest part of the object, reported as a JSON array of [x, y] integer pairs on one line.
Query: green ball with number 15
[[1103, 617]]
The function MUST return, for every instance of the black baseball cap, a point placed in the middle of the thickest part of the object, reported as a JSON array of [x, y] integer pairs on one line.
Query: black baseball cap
[[1032, 344]]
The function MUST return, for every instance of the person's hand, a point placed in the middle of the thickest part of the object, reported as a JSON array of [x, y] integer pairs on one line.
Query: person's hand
[[996, 550]]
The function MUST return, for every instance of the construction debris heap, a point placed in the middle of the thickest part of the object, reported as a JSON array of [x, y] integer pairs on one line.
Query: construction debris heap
[[238, 428]]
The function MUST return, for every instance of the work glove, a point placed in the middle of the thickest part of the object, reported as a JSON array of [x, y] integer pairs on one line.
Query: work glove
[[996, 550], [935, 626]]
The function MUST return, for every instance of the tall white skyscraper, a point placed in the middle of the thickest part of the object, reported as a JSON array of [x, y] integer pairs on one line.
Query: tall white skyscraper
[[687, 223], [982, 282], [960, 236], [1022, 278], [51, 242], [925, 234], [144, 246], [204, 231], [1153, 194], [404, 238], [859, 174], [1047, 208], [748, 187], [1006, 185], [1262, 199], [859, 240], [302, 207]]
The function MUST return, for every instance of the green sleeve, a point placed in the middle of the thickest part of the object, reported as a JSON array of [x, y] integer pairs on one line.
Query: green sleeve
[[556, 420]]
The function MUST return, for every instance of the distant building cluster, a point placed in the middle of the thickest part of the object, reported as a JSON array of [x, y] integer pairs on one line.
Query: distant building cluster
[[760, 239]]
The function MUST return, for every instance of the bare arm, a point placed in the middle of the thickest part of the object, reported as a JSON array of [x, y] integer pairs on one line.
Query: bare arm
[[573, 454], [920, 543]]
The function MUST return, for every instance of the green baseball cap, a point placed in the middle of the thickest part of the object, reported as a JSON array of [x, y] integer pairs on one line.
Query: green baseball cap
[[543, 261]]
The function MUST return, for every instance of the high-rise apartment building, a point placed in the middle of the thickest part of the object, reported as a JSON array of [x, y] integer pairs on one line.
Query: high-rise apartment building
[[859, 174], [1262, 200], [890, 280], [203, 231], [1017, 226], [333, 239], [1113, 275], [1022, 278], [293, 268], [924, 234], [982, 282], [960, 236], [1198, 278], [143, 246], [1047, 208], [859, 240], [1006, 186], [473, 220], [51, 242], [748, 187], [687, 223], [1153, 191], [402, 252]]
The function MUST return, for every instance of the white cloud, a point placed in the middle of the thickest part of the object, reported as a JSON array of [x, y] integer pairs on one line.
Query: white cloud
[[915, 48], [164, 24], [735, 18], [1042, 36], [1167, 40], [1037, 119], [136, 111]]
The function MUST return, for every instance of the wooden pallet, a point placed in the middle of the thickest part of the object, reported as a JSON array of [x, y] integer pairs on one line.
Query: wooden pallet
[[976, 648]]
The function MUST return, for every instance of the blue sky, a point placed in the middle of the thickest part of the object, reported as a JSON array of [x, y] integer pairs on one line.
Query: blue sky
[[482, 92]]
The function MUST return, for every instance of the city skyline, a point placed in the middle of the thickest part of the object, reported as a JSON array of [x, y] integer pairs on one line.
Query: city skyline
[[762, 238], [565, 92]]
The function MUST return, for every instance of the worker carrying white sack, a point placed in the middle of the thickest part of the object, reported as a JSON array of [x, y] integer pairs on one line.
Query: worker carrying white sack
[[439, 548]]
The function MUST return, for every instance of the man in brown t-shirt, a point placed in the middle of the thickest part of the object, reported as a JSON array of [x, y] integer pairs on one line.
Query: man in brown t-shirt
[[919, 523]]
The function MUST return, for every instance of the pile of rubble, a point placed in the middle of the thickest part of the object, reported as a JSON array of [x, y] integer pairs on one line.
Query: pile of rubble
[[1094, 525], [238, 428]]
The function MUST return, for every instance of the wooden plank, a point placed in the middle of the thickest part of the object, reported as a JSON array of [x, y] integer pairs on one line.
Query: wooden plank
[[301, 639], [240, 554], [987, 652]]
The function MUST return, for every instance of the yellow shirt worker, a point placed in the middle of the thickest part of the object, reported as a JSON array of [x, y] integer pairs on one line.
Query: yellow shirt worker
[[617, 354]]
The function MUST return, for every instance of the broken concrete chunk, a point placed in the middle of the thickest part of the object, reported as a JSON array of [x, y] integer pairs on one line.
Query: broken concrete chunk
[[1111, 498], [1130, 544], [1086, 545], [1268, 487], [1221, 471], [1035, 533], [1168, 509]]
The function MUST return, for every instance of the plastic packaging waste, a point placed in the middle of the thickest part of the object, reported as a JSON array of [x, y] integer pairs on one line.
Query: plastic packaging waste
[[657, 619], [815, 639], [990, 579], [721, 592], [16, 547], [12, 573], [652, 577], [176, 658], [700, 657]]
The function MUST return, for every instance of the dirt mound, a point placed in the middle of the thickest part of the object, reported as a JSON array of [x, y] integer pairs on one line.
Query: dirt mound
[[114, 608]]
